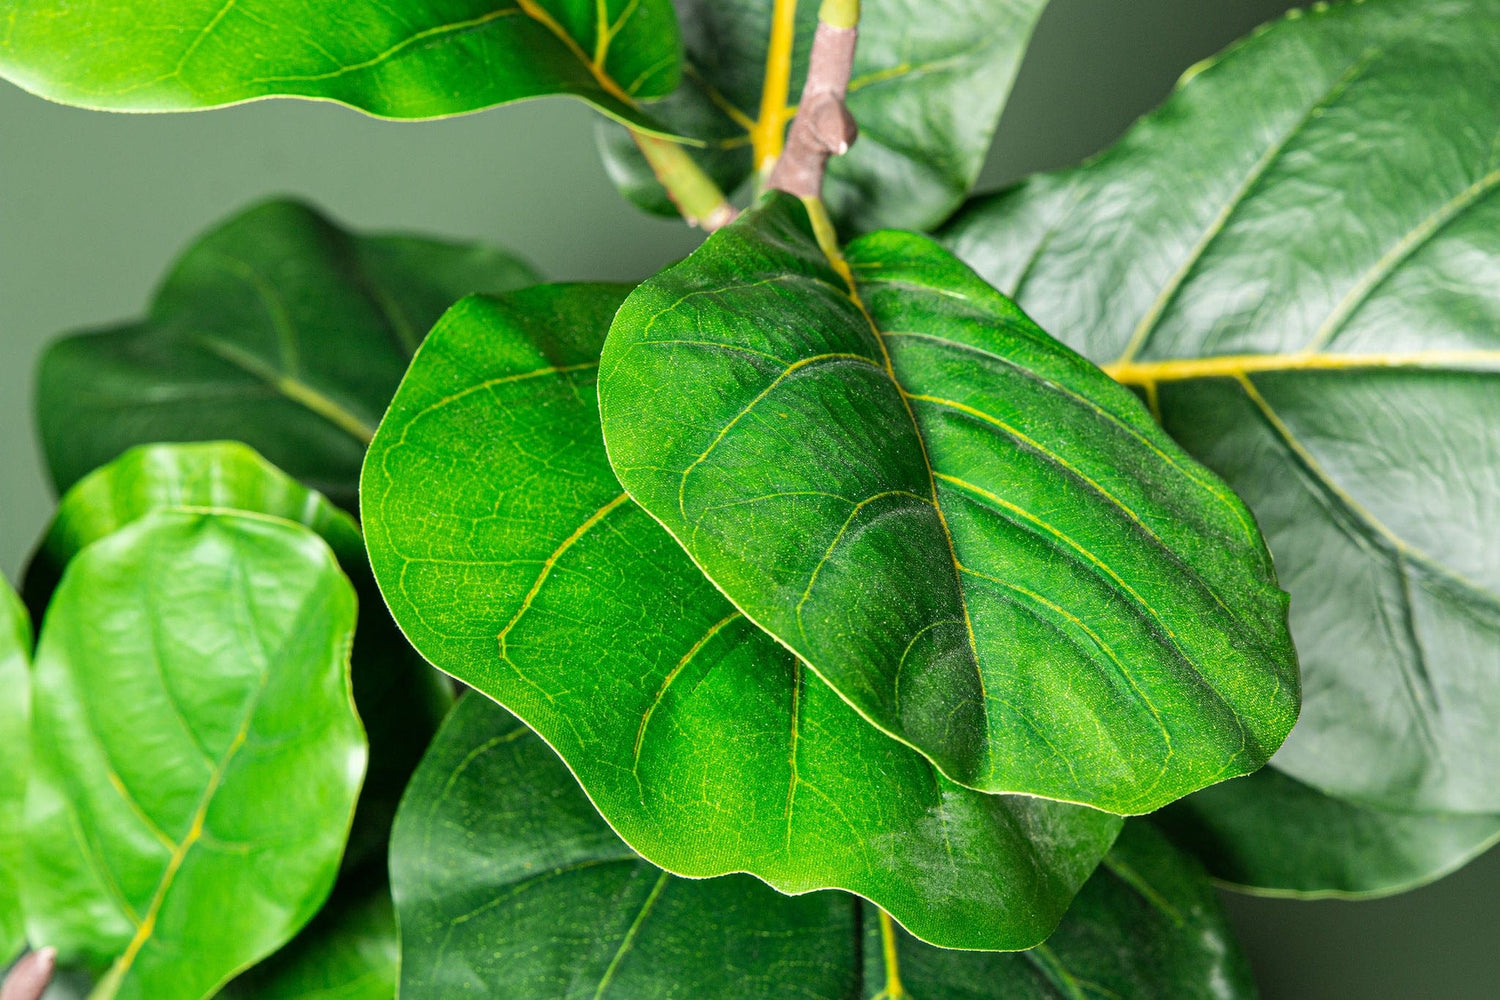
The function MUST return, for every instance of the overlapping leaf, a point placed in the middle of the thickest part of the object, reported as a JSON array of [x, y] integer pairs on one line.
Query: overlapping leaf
[[196, 752], [508, 883], [1270, 834], [15, 761], [1296, 262], [278, 329], [400, 698], [513, 560], [927, 89], [396, 59], [976, 538], [350, 951]]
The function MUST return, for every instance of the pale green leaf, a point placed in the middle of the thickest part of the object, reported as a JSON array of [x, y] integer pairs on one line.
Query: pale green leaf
[[196, 752]]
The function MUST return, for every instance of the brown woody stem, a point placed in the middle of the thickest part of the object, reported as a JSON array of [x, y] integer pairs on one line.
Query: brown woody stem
[[29, 977], [823, 127]]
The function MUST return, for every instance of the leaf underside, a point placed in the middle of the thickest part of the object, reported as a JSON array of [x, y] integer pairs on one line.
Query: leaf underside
[[979, 541], [927, 102]]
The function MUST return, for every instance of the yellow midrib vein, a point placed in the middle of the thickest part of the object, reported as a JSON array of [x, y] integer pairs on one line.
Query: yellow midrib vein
[[147, 925], [1150, 373], [537, 13]]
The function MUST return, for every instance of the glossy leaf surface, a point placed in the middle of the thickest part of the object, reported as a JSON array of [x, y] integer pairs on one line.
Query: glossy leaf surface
[[279, 329], [15, 761], [1270, 834], [401, 699], [401, 59], [927, 90], [980, 541], [492, 514], [1146, 925], [1317, 323], [196, 752], [508, 883], [350, 951]]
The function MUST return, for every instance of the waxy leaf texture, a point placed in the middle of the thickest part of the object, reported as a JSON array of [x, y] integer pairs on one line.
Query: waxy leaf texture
[[977, 539], [512, 558]]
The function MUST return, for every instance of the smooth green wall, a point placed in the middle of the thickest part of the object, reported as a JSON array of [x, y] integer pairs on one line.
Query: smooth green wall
[[93, 208]]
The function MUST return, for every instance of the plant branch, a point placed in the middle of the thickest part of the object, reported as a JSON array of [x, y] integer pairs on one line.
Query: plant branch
[[823, 126], [695, 194], [29, 978]]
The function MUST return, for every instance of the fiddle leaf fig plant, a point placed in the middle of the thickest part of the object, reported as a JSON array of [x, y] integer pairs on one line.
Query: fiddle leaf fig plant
[[1348, 403], [821, 606]]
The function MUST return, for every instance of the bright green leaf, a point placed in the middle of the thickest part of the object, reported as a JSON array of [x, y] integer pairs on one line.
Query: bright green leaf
[[15, 763], [196, 752], [278, 329], [975, 537], [397, 59], [1269, 834], [492, 512], [1296, 261], [349, 952], [927, 90], [508, 884], [401, 699]]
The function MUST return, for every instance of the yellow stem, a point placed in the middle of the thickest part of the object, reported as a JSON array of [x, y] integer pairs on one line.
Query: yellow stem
[[769, 133]]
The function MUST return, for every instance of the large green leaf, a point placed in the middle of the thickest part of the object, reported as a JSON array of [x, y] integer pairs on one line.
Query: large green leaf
[[1296, 262], [279, 329], [15, 763], [968, 531], [508, 884], [349, 952], [492, 512], [196, 752], [1272, 835], [396, 59], [927, 89], [401, 699]]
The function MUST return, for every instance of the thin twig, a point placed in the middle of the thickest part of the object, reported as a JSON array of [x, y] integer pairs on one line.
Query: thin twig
[[697, 197]]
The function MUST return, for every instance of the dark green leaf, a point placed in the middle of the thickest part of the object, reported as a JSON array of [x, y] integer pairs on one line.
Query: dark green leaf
[[278, 329], [927, 90], [1146, 925], [1272, 835], [349, 952], [15, 763], [968, 531], [401, 699], [396, 59], [196, 752], [1296, 261], [508, 884], [492, 512]]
